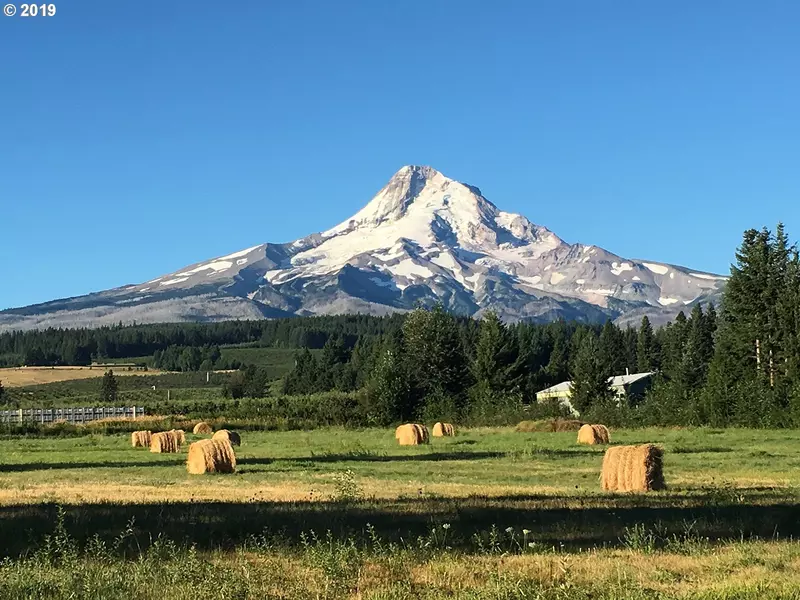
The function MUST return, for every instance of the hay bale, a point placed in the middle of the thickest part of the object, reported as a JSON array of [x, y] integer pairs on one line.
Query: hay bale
[[211, 456], [164, 442], [601, 431], [409, 434], [593, 434], [443, 430], [181, 435], [202, 428], [422, 431], [231, 436], [141, 439], [633, 469]]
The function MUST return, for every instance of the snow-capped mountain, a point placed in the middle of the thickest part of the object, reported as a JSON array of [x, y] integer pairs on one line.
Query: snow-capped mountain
[[424, 238]]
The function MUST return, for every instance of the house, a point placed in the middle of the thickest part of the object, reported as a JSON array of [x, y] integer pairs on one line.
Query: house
[[630, 386]]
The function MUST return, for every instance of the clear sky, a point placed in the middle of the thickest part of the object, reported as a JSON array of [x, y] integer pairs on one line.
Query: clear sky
[[137, 137]]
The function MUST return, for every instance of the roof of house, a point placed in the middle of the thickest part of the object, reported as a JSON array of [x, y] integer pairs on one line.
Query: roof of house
[[614, 382]]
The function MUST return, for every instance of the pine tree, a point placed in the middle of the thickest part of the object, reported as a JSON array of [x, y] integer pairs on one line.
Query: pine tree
[[108, 388], [433, 352], [698, 352], [673, 337], [612, 349], [558, 366], [389, 391], [749, 378], [631, 338], [496, 355], [645, 347], [303, 378], [589, 377]]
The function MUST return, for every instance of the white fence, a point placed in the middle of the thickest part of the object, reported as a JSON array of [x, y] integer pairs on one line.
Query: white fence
[[70, 415]]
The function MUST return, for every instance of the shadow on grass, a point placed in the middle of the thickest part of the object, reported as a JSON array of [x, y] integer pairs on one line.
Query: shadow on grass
[[586, 522], [439, 456], [366, 457], [699, 450], [39, 466]]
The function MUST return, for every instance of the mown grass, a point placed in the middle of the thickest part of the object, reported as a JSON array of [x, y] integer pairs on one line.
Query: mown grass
[[491, 513]]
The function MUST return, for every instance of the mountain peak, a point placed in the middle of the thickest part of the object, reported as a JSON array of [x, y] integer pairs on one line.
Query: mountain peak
[[424, 237], [416, 184]]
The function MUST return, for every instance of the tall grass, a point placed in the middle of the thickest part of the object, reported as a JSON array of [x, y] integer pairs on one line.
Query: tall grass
[[329, 567]]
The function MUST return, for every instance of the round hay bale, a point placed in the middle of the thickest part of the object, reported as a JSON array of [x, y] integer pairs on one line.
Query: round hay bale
[[443, 430], [164, 442], [593, 434], [202, 428], [633, 469], [141, 439], [408, 435], [210, 456], [231, 436], [602, 434], [181, 436]]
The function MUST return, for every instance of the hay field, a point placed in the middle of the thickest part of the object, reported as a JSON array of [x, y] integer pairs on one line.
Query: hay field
[[490, 513], [22, 376]]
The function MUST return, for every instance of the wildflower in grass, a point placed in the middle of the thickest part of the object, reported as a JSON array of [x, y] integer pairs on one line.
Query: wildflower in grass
[[526, 531], [509, 529], [445, 525]]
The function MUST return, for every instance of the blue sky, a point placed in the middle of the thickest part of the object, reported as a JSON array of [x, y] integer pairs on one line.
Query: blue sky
[[139, 137]]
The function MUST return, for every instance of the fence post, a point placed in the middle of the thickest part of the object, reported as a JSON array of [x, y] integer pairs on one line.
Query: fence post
[[134, 412], [20, 415]]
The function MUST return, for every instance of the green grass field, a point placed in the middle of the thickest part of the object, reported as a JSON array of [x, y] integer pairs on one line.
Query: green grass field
[[490, 513], [277, 361]]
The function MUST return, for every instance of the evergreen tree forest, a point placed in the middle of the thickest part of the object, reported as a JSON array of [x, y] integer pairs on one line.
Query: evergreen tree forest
[[736, 364]]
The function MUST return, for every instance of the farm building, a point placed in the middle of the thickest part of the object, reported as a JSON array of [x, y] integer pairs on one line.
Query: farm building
[[630, 386]]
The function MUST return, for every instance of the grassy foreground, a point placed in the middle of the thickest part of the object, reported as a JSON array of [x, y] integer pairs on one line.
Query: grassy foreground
[[490, 513]]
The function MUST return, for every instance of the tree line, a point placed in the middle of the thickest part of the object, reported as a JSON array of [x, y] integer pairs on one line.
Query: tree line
[[56, 346]]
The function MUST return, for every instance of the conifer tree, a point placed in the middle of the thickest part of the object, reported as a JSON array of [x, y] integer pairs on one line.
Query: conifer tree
[[303, 378], [612, 349], [698, 352], [389, 390], [674, 337], [631, 338], [645, 347], [496, 354], [589, 377], [558, 366], [108, 388], [433, 352]]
